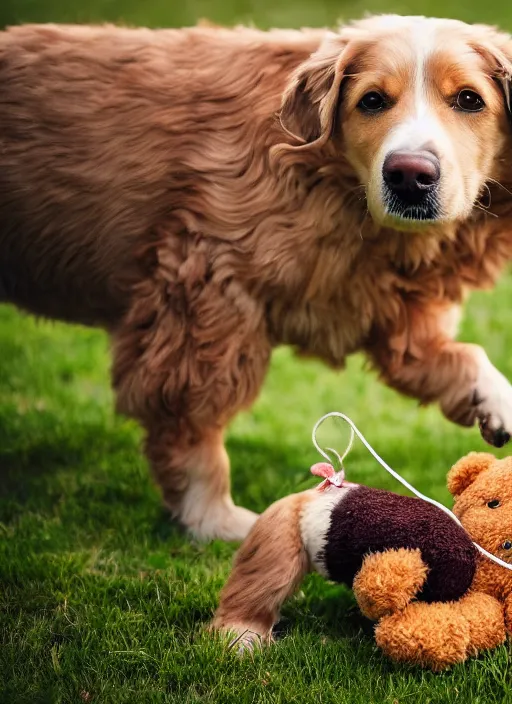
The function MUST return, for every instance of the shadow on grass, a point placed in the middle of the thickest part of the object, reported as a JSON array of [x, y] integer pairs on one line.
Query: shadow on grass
[[261, 473], [79, 486], [326, 609], [26, 456]]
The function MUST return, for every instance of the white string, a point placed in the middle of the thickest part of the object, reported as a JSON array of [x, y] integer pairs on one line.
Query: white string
[[394, 474], [335, 452]]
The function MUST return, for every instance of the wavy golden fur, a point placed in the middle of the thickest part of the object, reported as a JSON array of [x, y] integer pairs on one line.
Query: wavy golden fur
[[200, 193]]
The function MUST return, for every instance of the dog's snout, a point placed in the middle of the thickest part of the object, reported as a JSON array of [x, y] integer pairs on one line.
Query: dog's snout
[[411, 173]]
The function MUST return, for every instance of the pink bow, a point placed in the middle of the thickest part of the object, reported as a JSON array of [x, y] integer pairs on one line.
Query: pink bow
[[326, 470]]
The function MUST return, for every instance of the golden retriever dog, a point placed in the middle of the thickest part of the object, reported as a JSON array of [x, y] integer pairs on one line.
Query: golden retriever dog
[[207, 194]]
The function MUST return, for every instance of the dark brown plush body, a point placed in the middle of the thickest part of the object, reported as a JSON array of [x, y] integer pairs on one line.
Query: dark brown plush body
[[372, 520]]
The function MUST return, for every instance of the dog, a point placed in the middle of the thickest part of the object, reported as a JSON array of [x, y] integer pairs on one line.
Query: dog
[[207, 194]]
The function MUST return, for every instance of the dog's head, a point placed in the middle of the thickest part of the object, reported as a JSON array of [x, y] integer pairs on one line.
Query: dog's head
[[419, 108]]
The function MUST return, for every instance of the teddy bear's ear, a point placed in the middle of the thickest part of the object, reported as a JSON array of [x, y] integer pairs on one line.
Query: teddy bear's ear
[[465, 471]]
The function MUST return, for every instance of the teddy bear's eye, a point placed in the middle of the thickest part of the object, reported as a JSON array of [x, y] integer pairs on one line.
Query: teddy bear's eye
[[494, 503], [507, 545]]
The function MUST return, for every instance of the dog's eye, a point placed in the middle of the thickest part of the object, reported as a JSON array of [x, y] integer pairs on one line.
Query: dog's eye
[[494, 503], [469, 101], [507, 545], [372, 102]]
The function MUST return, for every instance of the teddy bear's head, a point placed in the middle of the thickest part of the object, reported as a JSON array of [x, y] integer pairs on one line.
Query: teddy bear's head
[[482, 488]]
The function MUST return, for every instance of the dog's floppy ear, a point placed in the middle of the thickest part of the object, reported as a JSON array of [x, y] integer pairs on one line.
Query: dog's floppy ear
[[496, 48], [466, 470], [309, 103]]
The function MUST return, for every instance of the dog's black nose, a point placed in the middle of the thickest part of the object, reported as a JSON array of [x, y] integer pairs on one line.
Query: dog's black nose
[[411, 175]]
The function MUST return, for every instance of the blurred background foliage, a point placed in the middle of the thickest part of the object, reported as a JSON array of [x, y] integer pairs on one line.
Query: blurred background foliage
[[264, 13]]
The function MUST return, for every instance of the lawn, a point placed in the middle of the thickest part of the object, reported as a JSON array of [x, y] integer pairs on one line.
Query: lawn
[[102, 599]]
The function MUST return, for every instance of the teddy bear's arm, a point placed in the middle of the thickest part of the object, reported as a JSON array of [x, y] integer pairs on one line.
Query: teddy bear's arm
[[388, 581], [268, 567]]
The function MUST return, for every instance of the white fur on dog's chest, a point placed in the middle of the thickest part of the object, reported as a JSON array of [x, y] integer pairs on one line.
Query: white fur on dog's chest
[[315, 522]]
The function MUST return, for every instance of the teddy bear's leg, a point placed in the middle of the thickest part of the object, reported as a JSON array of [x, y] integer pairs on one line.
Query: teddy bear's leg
[[431, 635], [387, 581], [268, 567], [508, 614], [486, 620]]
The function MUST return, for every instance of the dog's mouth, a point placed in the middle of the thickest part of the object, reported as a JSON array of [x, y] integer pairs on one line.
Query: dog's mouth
[[424, 209]]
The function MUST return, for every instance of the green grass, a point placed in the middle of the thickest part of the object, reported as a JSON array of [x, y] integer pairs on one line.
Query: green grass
[[102, 599]]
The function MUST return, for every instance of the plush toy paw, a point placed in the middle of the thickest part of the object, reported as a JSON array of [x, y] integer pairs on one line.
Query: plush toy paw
[[486, 620], [241, 639], [246, 642], [430, 635], [388, 581]]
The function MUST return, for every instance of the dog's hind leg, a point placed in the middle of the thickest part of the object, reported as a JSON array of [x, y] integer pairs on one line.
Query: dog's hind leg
[[191, 351]]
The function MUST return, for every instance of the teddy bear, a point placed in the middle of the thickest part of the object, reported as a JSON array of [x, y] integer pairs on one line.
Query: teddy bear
[[414, 570]]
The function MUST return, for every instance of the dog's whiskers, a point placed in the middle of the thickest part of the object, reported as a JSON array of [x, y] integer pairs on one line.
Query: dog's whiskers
[[485, 210], [497, 183], [490, 197]]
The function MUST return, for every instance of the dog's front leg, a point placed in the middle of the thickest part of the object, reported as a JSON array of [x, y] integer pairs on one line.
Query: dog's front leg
[[420, 358], [191, 351], [268, 567]]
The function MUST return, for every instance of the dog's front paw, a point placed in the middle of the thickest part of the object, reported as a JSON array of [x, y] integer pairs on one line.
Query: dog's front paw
[[492, 401], [223, 520], [494, 436]]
